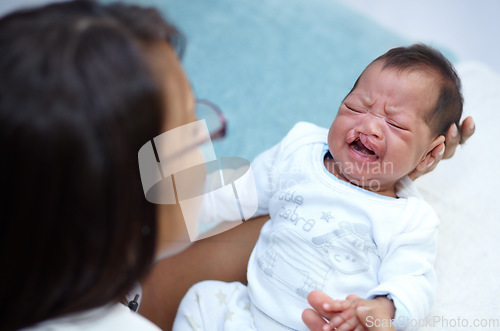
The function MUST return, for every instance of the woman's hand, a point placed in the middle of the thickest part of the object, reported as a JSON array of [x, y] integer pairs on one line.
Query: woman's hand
[[448, 148]]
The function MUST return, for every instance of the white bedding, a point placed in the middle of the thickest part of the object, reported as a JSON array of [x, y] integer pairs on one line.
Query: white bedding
[[463, 191]]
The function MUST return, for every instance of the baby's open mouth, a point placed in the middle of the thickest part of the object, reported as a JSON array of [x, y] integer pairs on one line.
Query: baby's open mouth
[[362, 149]]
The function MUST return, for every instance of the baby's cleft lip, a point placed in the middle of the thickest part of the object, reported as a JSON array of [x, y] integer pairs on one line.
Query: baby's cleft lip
[[363, 146], [370, 144]]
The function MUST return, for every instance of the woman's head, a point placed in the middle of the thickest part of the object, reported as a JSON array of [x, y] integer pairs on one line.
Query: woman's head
[[78, 98]]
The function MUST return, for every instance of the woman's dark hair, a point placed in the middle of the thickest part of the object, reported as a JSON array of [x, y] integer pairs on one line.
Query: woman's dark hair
[[449, 106], [77, 101]]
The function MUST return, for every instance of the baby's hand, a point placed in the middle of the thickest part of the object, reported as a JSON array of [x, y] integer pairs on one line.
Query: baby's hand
[[348, 319], [324, 307], [353, 313]]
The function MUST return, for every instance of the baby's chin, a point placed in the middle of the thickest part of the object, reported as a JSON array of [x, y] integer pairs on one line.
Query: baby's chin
[[372, 176]]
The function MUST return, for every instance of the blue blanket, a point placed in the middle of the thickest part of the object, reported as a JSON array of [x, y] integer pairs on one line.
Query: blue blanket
[[271, 63]]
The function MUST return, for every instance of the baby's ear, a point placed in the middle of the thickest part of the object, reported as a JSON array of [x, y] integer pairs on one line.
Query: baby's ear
[[432, 154]]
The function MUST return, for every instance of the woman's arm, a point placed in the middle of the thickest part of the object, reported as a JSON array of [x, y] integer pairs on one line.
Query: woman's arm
[[221, 257]]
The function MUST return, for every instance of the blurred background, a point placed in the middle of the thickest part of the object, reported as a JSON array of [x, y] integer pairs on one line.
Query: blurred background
[[271, 63], [468, 28]]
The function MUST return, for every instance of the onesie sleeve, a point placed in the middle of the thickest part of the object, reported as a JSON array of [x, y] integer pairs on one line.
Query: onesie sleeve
[[266, 176], [406, 274], [256, 187]]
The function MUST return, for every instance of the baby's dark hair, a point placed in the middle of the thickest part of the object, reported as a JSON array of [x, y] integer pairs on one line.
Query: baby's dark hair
[[449, 106]]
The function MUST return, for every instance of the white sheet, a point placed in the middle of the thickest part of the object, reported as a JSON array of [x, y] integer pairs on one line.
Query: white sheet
[[464, 192]]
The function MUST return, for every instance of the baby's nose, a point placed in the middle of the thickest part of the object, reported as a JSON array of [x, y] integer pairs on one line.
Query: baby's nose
[[372, 125]]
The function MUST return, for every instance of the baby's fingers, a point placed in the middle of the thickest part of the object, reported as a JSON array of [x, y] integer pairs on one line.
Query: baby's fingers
[[326, 305], [313, 320], [349, 324], [342, 321]]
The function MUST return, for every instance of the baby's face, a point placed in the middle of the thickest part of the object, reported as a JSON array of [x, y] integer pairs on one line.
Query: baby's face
[[379, 135]]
